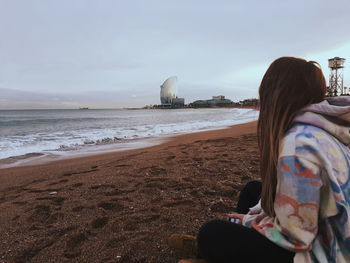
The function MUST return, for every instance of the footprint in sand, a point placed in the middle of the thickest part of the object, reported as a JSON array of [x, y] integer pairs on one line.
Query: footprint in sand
[[15, 218], [99, 222], [113, 193], [74, 243], [62, 231], [122, 165], [20, 203], [78, 208], [152, 170], [54, 200], [111, 206], [171, 157], [59, 182], [77, 185], [94, 187], [150, 218], [81, 172], [41, 213], [178, 203], [116, 241], [189, 179], [196, 193], [25, 255], [54, 218], [35, 191]]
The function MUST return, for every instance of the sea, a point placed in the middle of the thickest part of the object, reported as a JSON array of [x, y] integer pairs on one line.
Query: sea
[[34, 135]]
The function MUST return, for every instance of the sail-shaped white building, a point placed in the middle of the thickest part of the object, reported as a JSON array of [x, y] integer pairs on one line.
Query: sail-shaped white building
[[168, 90]]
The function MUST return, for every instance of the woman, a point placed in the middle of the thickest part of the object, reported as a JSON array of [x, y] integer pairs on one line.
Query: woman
[[304, 166]]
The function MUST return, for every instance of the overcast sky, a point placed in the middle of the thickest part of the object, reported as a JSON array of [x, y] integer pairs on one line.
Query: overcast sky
[[66, 54]]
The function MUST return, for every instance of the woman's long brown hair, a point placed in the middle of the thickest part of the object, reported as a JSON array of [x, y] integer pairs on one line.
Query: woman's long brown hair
[[288, 85]]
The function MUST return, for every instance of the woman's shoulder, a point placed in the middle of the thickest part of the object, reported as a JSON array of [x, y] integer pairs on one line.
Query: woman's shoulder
[[301, 130], [304, 140], [304, 133]]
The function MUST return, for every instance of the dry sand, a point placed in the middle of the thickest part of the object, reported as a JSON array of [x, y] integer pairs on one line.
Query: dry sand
[[121, 207]]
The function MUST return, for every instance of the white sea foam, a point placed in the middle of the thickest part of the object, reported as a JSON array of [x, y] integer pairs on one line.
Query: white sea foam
[[89, 135]]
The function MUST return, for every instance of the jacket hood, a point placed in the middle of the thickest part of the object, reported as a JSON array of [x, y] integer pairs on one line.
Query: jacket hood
[[331, 115]]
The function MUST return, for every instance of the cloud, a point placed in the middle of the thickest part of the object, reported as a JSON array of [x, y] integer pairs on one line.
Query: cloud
[[18, 99], [130, 47]]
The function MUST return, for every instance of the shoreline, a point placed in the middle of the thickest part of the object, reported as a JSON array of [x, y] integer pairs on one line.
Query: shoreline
[[157, 142], [45, 157], [122, 206]]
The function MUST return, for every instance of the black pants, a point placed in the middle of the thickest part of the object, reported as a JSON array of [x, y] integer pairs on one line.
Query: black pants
[[225, 242]]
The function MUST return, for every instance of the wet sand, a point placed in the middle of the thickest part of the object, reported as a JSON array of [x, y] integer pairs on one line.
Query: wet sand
[[120, 207]]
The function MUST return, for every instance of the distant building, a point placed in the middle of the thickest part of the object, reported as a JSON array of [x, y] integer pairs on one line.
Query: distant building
[[178, 102], [168, 90], [216, 101], [249, 103], [168, 94], [220, 97]]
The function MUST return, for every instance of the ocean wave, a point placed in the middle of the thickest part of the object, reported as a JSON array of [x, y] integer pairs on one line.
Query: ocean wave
[[77, 139], [26, 122]]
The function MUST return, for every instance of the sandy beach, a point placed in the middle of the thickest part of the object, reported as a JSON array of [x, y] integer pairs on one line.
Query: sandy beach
[[121, 207]]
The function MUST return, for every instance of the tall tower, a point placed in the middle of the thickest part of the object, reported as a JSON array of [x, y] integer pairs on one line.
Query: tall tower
[[336, 87], [168, 90]]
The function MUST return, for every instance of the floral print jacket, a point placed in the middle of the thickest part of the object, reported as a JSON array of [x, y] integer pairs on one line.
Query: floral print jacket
[[312, 202]]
